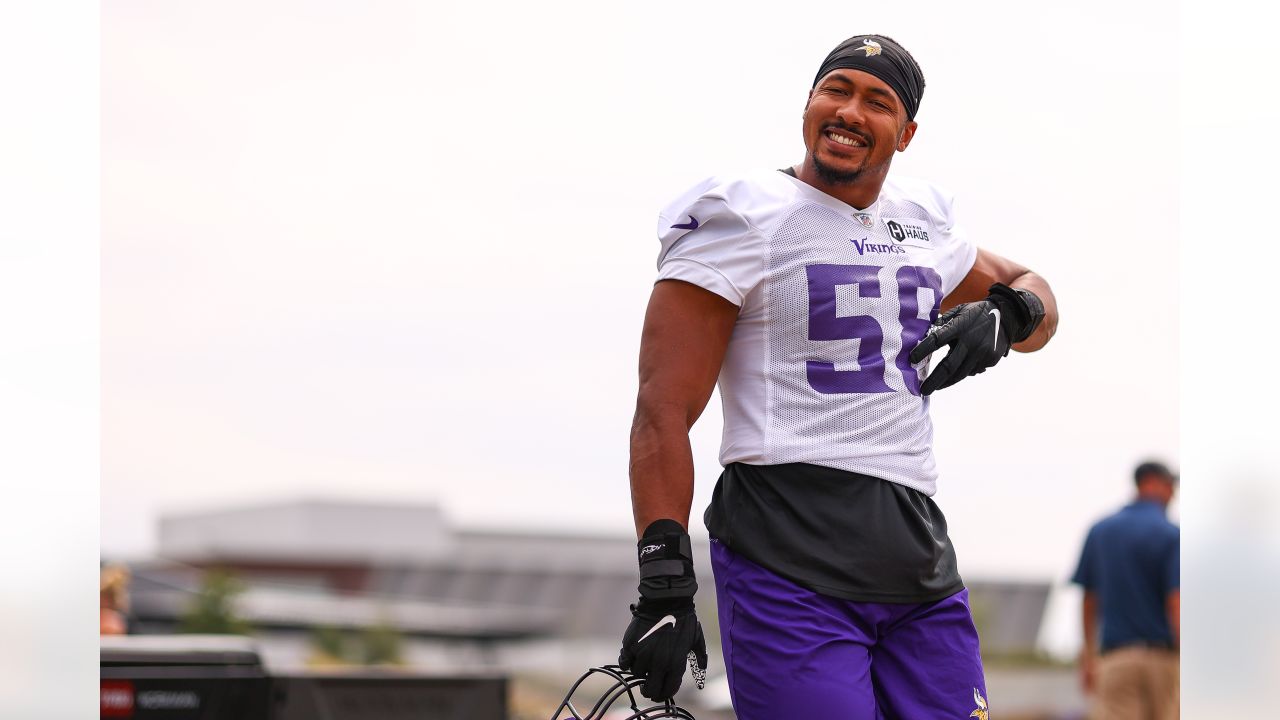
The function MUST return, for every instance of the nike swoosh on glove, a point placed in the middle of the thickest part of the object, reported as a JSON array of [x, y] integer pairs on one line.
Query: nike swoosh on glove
[[659, 646], [979, 335]]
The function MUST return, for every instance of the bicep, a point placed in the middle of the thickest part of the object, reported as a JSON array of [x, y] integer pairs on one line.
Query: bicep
[[1090, 604], [686, 333], [988, 269]]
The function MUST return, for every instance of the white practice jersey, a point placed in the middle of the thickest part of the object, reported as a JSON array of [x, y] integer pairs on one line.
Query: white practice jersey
[[832, 300]]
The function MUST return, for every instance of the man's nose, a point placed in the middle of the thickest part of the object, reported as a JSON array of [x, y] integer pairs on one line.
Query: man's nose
[[850, 114]]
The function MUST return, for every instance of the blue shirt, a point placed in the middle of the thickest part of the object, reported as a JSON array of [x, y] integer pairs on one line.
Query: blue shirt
[[1130, 560]]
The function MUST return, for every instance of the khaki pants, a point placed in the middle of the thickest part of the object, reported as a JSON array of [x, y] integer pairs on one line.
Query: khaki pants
[[1137, 683]]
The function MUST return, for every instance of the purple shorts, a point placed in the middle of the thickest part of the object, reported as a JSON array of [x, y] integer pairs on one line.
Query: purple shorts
[[793, 653]]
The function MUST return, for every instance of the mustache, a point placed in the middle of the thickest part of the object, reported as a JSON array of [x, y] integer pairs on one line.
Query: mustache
[[850, 130]]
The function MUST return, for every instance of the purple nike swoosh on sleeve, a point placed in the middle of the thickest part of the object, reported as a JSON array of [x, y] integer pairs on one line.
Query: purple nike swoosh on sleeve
[[691, 225]]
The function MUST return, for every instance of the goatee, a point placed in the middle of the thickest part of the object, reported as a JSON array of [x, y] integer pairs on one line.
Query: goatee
[[832, 176]]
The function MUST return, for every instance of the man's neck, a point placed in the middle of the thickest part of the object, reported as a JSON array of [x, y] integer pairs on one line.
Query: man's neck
[[1158, 502], [861, 193]]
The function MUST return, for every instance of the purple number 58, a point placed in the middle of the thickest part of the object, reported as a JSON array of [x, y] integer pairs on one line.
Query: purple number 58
[[826, 324]]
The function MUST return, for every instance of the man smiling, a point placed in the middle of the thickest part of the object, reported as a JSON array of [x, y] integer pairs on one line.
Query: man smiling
[[813, 295]]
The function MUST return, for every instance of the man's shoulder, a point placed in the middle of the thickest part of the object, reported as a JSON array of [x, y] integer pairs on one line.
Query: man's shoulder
[[747, 187], [745, 190], [1135, 516], [933, 198], [725, 215], [1118, 518]]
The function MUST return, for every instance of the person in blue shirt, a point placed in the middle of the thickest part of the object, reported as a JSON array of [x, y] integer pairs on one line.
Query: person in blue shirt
[[1129, 571]]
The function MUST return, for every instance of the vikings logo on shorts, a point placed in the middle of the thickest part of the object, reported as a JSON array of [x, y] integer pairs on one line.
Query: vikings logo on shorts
[[981, 713]]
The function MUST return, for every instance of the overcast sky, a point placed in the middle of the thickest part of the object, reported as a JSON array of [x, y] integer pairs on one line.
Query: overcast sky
[[390, 250]]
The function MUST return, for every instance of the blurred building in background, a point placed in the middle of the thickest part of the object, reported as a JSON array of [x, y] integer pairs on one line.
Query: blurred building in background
[[540, 606]]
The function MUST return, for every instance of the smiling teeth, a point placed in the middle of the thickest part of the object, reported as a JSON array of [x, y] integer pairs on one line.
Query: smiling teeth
[[846, 141]]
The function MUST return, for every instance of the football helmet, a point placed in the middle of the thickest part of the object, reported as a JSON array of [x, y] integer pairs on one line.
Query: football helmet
[[624, 687]]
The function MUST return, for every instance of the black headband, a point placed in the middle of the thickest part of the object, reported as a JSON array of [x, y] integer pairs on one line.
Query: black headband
[[884, 58]]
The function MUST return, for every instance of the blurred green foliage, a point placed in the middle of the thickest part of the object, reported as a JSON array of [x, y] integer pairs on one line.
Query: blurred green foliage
[[380, 644], [212, 611]]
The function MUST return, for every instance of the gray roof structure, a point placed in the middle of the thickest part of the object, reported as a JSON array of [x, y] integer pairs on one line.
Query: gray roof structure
[[311, 530], [340, 563]]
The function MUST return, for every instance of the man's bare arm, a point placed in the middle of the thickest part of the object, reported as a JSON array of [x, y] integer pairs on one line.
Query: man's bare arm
[[1173, 606], [989, 269], [686, 332], [1089, 622], [1089, 650]]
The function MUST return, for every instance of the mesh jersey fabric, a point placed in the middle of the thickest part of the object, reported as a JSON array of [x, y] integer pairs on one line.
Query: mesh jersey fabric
[[832, 299]]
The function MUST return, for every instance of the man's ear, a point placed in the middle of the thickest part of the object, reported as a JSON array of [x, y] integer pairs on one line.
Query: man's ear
[[908, 132], [809, 97]]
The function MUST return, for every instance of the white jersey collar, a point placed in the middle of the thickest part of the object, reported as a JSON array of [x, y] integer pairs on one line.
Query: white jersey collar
[[836, 204]]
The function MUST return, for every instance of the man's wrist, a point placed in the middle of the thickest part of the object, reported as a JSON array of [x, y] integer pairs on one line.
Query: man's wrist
[[1022, 308], [656, 608], [665, 556]]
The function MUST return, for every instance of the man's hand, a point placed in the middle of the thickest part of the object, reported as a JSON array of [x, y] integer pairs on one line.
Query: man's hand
[[664, 634], [979, 334], [659, 643]]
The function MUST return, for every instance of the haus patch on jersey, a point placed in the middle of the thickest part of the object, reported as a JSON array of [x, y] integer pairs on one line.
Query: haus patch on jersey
[[908, 231]]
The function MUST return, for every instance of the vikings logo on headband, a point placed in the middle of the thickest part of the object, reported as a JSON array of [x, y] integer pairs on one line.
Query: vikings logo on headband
[[884, 58]]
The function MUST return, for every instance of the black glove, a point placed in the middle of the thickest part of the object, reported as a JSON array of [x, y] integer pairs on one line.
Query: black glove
[[664, 634], [979, 333]]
